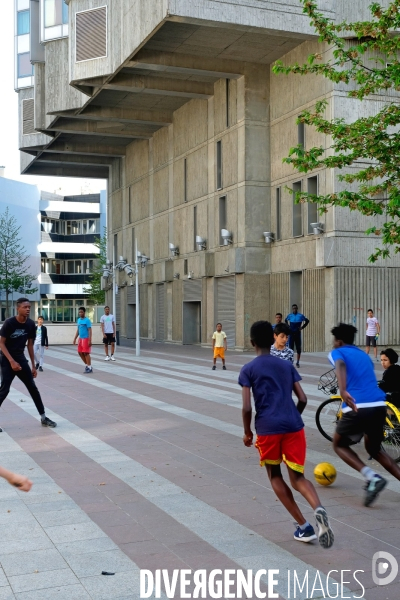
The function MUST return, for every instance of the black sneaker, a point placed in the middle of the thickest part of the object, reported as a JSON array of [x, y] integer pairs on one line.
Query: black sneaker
[[224, 368], [41, 369], [298, 365], [214, 367], [373, 489], [325, 533], [46, 422], [37, 366], [1, 430]]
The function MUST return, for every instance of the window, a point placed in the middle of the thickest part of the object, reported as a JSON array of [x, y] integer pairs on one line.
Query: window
[[185, 267], [116, 257], [228, 99], [222, 218], [219, 165], [278, 213], [297, 212], [23, 22], [133, 245], [67, 267], [25, 69], [185, 180], [55, 13], [312, 207], [301, 134], [194, 227]]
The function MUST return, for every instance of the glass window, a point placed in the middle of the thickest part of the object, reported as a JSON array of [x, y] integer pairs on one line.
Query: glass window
[[25, 69], [68, 314], [64, 13], [45, 313], [92, 226], [75, 227], [84, 227], [52, 302], [68, 227], [297, 212], [53, 12], [59, 302], [312, 207], [23, 22], [68, 302], [71, 266], [78, 266]]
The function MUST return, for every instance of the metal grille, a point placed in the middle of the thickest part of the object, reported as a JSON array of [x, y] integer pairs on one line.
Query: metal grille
[[132, 294], [160, 316], [28, 112], [192, 290], [226, 304], [91, 34], [117, 309]]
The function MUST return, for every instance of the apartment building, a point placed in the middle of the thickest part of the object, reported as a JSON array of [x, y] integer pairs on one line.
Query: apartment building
[[175, 103], [58, 234]]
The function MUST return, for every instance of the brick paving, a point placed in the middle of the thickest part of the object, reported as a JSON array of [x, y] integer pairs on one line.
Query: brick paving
[[146, 470]]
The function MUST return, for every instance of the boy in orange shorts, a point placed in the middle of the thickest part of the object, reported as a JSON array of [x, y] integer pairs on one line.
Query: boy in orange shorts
[[280, 430], [219, 346]]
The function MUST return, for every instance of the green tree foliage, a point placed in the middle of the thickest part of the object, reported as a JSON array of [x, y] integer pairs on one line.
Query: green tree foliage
[[94, 290], [14, 272], [367, 149]]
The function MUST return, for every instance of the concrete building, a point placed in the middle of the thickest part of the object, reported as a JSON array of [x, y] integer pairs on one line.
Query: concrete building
[[175, 103], [58, 234]]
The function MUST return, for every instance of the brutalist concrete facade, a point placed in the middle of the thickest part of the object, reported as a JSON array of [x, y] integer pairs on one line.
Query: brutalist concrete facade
[[175, 103]]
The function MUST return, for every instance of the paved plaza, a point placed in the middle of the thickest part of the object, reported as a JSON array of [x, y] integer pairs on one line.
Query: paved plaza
[[147, 470]]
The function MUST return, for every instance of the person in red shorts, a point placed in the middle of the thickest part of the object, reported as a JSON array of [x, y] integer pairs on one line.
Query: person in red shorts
[[84, 333], [280, 430]]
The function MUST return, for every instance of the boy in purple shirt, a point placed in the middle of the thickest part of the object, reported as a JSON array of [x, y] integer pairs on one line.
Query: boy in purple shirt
[[280, 430]]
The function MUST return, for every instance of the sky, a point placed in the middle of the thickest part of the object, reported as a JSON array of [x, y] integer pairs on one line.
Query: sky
[[9, 153]]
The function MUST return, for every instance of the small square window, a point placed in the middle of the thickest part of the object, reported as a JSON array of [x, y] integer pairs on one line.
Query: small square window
[[23, 22], [25, 69]]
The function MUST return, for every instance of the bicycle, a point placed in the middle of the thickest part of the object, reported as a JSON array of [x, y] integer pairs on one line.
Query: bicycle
[[330, 411]]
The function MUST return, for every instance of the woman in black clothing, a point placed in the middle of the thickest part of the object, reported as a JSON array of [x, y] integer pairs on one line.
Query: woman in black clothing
[[390, 382]]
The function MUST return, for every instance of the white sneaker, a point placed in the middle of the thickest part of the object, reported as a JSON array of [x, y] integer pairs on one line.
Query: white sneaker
[[112, 357], [107, 357]]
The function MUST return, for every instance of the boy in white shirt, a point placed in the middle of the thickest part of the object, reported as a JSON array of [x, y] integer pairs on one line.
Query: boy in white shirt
[[372, 333], [219, 346]]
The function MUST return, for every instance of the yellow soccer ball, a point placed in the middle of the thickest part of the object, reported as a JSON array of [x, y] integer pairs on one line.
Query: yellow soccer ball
[[325, 473]]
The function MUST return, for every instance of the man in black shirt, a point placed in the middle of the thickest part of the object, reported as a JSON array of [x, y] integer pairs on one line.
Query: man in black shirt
[[15, 333]]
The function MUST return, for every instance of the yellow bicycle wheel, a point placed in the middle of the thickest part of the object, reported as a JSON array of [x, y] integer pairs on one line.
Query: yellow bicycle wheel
[[391, 440]]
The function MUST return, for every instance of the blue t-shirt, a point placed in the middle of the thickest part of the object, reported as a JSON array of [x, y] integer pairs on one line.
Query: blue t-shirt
[[271, 380], [83, 327], [295, 321], [361, 381]]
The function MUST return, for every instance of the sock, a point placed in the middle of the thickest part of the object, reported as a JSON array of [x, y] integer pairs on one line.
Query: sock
[[303, 527], [369, 474]]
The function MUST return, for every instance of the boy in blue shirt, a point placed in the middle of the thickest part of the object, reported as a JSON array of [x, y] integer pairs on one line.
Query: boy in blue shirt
[[363, 408], [280, 430], [295, 321], [84, 332]]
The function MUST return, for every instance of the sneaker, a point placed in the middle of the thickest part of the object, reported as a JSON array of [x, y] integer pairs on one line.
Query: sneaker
[[87, 370], [46, 422], [1, 430], [112, 357], [37, 366], [214, 367], [107, 358], [373, 489], [305, 535], [90, 370], [41, 369], [298, 365], [224, 368], [325, 533]]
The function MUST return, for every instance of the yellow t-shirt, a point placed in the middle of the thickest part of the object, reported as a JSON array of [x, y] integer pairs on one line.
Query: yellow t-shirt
[[219, 337]]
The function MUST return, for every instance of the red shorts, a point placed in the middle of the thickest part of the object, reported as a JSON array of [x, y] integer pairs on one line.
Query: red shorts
[[287, 447], [83, 346]]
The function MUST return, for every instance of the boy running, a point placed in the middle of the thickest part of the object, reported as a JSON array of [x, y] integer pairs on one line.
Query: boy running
[[280, 349], [41, 342], [15, 334], [84, 332], [107, 324], [219, 346], [363, 408], [280, 430], [372, 333]]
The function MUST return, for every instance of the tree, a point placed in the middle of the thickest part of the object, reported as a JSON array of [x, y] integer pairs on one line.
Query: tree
[[14, 272], [94, 290], [367, 149]]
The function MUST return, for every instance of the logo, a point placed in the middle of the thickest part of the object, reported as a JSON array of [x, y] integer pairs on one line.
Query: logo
[[18, 333], [381, 561]]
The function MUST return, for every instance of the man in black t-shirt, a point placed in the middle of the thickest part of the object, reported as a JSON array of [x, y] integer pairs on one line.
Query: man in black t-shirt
[[15, 334]]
